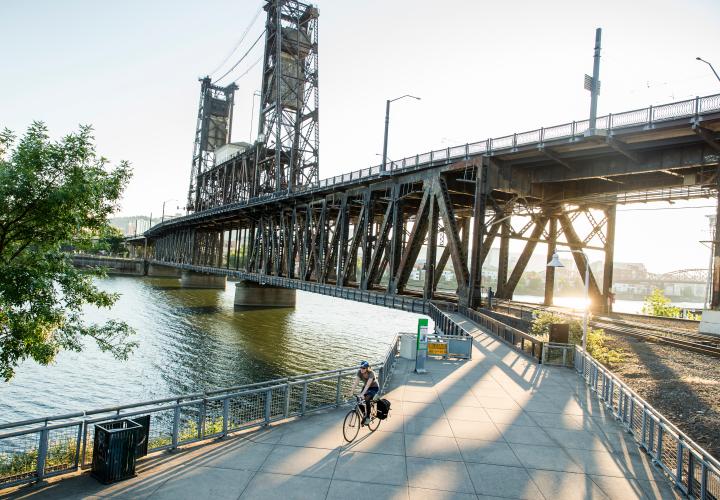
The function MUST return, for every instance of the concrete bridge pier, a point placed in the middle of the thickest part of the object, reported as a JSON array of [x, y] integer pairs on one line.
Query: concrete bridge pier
[[252, 294], [160, 271], [191, 279]]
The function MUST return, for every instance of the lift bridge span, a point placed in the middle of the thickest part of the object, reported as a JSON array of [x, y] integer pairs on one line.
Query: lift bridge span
[[362, 234]]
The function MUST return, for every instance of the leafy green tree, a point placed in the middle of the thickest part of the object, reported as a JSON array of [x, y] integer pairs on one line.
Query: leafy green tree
[[596, 338], [656, 304], [53, 194]]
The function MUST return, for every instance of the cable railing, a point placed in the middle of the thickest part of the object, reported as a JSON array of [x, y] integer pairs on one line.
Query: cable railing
[[638, 117], [690, 467], [32, 450]]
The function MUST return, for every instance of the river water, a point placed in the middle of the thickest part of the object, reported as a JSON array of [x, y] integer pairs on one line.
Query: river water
[[190, 340]]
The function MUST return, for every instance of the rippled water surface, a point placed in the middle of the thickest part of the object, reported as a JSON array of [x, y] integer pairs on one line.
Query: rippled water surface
[[196, 339]]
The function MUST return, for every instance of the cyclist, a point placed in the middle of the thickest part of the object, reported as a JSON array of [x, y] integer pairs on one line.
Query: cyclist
[[367, 378]]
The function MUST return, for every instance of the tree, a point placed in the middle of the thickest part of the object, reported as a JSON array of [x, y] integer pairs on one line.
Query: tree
[[53, 194], [656, 304]]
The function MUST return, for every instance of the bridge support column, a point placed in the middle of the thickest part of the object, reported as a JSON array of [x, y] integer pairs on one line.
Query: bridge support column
[[550, 271], [160, 271], [191, 279], [609, 256], [252, 294]]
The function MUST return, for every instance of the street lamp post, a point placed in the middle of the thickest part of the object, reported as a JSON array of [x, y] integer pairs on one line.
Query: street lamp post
[[711, 67], [162, 219], [555, 262], [387, 125]]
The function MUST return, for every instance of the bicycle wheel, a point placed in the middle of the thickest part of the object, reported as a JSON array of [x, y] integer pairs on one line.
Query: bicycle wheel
[[351, 425], [374, 420]]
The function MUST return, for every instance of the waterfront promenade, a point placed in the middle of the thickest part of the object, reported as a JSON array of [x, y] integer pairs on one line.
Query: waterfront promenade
[[498, 425]]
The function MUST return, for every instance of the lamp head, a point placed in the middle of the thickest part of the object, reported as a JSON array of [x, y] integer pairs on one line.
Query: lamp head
[[555, 261]]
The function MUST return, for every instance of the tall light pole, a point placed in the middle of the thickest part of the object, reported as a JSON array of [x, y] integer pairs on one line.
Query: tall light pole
[[594, 82], [163, 209], [252, 113], [387, 124], [555, 262], [711, 67]]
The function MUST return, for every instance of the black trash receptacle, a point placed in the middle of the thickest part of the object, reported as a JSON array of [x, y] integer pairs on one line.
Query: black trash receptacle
[[114, 450]]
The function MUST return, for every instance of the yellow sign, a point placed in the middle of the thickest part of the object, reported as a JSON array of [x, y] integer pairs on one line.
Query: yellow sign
[[437, 349]]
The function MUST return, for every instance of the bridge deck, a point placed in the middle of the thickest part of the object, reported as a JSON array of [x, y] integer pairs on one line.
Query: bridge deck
[[498, 425]]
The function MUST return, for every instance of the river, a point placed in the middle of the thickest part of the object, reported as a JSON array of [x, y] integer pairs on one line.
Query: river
[[190, 340]]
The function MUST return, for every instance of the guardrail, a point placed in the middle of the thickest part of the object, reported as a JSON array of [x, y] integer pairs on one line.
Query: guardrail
[[518, 340], [690, 108], [691, 468], [32, 450], [558, 354]]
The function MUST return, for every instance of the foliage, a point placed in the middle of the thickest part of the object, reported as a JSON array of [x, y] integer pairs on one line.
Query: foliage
[[656, 304], [52, 194], [596, 337], [108, 241]]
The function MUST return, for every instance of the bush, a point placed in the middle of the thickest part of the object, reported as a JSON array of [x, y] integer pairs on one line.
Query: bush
[[656, 304], [596, 337]]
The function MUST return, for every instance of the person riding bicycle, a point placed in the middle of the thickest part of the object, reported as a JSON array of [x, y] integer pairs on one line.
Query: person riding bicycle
[[367, 378]]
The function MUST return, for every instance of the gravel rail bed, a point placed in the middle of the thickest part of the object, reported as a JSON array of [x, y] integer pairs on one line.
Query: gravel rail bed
[[683, 386]]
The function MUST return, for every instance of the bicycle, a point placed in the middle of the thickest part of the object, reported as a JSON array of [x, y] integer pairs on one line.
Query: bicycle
[[354, 419]]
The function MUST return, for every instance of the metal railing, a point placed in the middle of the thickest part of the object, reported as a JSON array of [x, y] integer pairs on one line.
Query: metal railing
[[691, 468], [643, 117], [558, 354], [401, 302], [518, 340], [32, 450]]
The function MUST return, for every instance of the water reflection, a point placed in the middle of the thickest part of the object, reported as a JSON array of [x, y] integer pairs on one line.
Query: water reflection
[[193, 339]]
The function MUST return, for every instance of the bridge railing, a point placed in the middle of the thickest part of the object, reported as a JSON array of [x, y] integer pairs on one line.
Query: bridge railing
[[633, 118], [690, 467], [690, 108], [517, 339], [32, 450]]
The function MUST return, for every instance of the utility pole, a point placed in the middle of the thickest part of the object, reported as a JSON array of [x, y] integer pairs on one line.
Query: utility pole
[[593, 84]]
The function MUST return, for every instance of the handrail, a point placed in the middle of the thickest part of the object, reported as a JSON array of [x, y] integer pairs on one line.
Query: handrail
[[64, 442], [691, 468], [648, 117]]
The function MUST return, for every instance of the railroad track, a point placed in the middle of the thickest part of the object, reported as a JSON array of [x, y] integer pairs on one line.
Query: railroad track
[[680, 338]]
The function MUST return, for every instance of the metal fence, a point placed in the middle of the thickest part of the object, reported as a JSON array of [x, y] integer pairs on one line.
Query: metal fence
[[643, 117], [32, 450], [518, 340], [558, 354], [692, 469]]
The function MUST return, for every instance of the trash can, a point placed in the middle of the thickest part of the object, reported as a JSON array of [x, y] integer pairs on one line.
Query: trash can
[[114, 450]]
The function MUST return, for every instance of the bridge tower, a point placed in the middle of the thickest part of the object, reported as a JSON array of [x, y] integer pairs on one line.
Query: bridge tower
[[214, 126], [288, 148]]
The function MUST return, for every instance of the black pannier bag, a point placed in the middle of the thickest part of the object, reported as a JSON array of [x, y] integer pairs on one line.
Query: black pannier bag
[[383, 409]]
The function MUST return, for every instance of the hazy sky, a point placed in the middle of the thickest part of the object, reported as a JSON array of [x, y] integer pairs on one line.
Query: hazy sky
[[483, 69]]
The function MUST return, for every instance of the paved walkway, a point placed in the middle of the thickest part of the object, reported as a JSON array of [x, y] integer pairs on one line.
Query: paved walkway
[[496, 426]]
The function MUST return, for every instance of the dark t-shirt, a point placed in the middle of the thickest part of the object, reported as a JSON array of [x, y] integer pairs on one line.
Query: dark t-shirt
[[368, 375]]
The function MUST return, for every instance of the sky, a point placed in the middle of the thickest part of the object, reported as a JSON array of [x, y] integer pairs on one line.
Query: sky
[[482, 69]]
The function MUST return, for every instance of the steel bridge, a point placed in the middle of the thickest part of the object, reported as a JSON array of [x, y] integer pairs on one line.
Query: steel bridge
[[258, 211], [365, 230]]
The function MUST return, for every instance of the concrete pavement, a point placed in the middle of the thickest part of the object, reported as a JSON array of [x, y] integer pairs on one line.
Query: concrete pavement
[[497, 426]]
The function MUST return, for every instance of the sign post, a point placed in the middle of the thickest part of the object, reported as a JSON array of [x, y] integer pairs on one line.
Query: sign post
[[422, 345]]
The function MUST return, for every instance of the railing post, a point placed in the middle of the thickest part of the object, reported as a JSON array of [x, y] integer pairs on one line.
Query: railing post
[[650, 115], [703, 480], [697, 107], [679, 464], [303, 401], [658, 453], [226, 416], [337, 389], [42, 453], [268, 406], [84, 443], [78, 441], [176, 426], [288, 390]]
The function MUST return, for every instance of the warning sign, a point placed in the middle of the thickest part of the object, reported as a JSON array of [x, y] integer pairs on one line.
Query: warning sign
[[437, 349]]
